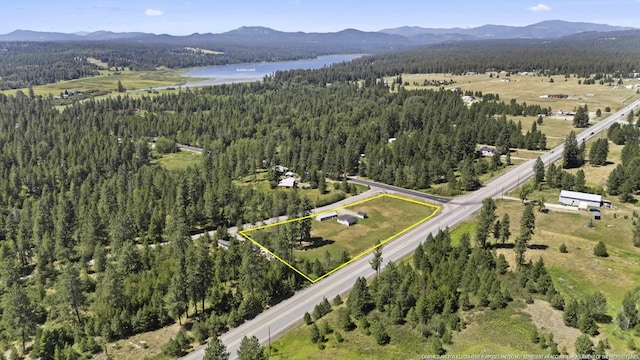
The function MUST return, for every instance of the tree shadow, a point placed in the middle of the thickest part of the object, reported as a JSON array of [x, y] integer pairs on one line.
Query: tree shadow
[[314, 242], [503, 246], [603, 318], [538, 247]]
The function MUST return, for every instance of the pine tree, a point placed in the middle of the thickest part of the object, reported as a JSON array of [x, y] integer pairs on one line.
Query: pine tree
[[584, 345], [250, 349], [485, 220], [359, 300], [538, 170], [580, 181], [376, 261], [527, 226], [70, 290], [571, 155], [581, 118], [505, 231], [18, 314], [216, 350]]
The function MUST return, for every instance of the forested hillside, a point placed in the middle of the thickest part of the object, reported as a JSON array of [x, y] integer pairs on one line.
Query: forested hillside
[[613, 53]]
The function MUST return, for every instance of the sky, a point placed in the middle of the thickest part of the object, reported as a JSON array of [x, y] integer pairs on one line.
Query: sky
[[183, 17]]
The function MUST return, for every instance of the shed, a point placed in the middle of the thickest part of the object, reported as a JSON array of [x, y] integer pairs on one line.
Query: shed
[[361, 215], [596, 215], [575, 198], [224, 244], [327, 216], [347, 220], [287, 183]]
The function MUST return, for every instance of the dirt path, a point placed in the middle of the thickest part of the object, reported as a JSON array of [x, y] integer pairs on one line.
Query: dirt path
[[547, 319]]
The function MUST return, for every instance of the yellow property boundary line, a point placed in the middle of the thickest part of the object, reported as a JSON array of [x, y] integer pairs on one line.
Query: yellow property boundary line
[[245, 234]]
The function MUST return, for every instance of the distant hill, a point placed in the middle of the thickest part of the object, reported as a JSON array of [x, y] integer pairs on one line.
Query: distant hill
[[543, 30], [349, 40]]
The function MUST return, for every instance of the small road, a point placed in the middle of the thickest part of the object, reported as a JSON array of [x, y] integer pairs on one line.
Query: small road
[[274, 322], [418, 194], [193, 149]]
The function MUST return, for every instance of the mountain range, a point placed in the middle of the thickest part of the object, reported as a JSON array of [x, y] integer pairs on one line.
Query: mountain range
[[387, 38]]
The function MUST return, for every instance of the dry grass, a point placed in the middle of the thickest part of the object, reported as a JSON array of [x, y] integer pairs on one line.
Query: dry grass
[[578, 272], [133, 348], [529, 88], [549, 320]]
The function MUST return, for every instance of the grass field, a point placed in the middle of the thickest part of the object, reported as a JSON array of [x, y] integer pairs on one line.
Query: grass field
[[529, 88], [180, 160], [388, 217], [357, 345], [108, 81]]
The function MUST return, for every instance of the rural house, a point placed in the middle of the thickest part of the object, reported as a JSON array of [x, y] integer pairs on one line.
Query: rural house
[[347, 220], [487, 151]]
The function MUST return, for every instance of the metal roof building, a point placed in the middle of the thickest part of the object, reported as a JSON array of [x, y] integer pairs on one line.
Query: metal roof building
[[579, 199], [327, 216], [347, 220]]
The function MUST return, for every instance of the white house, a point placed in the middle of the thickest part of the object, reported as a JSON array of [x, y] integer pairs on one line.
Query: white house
[[327, 216], [579, 199], [487, 151]]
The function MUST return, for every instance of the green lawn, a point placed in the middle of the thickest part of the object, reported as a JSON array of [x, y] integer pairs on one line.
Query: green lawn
[[179, 160], [357, 345], [387, 218]]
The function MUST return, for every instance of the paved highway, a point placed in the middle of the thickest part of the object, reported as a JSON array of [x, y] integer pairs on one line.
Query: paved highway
[[275, 321]]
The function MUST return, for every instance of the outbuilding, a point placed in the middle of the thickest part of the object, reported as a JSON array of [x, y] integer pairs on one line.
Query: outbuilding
[[288, 183], [596, 215], [327, 216], [347, 220], [361, 215], [579, 199]]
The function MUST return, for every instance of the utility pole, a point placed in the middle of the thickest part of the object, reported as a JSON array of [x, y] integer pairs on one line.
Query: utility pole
[[269, 354]]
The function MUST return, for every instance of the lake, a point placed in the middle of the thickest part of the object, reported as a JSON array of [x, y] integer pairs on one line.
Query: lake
[[235, 73]]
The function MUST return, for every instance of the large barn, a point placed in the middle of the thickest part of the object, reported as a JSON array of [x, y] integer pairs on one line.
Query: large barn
[[579, 199]]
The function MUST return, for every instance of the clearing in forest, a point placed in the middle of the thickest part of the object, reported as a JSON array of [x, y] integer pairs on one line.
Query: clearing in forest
[[315, 249]]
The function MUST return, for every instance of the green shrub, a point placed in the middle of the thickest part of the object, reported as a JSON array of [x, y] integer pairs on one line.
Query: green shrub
[[563, 248], [600, 250]]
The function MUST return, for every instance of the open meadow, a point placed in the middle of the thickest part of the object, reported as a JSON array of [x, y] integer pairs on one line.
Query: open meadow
[[387, 218], [107, 81], [528, 88]]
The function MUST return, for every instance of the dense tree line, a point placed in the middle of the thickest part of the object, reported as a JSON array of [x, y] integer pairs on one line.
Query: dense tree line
[[28, 64], [624, 180], [583, 54]]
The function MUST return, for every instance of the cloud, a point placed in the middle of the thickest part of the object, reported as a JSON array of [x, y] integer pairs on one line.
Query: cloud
[[540, 7], [154, 12]]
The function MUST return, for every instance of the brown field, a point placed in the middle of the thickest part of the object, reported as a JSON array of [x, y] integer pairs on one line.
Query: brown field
[[529, 88]]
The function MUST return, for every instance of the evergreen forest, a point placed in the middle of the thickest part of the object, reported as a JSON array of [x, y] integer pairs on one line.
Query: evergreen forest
[[84, 208]]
